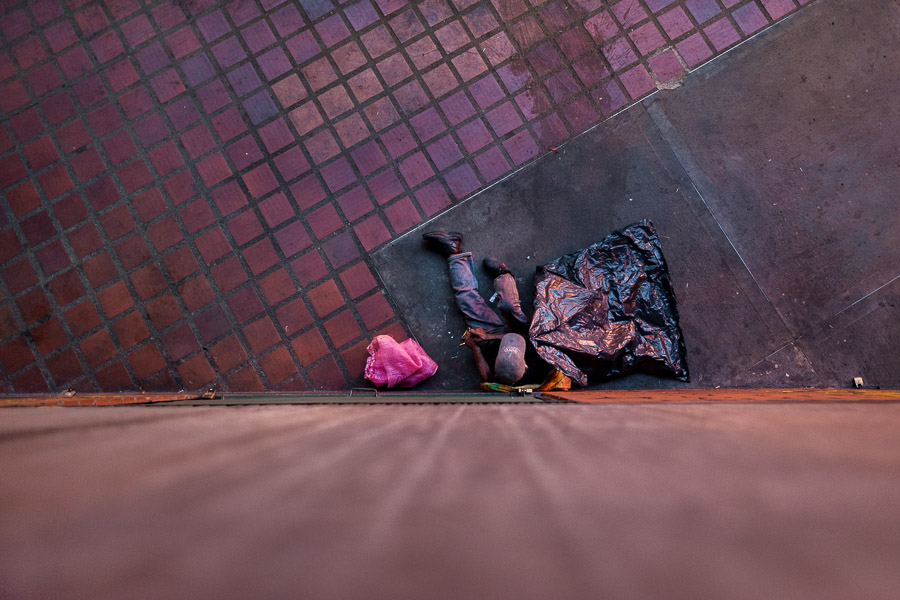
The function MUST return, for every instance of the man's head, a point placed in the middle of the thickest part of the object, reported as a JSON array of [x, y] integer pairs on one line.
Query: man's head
[[510, 364]]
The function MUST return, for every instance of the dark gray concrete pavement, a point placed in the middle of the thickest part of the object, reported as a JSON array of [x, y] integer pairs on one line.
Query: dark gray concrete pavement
[[771, 177], [802, 173], [448, 502]]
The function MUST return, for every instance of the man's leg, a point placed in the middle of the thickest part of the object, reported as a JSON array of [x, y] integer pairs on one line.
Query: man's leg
[[475, 309], [505, 286], [510, 307]]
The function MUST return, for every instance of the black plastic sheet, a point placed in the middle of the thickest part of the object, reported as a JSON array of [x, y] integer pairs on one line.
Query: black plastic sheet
[[609, 310]]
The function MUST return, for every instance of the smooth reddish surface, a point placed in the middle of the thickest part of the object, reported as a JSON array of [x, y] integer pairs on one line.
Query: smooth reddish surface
[[191, 189], [727, 395], [404, 502]]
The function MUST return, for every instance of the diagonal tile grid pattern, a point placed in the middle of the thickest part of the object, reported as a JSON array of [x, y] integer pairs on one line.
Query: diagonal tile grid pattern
[[190, 189]]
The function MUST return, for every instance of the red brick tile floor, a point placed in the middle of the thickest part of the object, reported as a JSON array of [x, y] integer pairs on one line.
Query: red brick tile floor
[[191, 189]]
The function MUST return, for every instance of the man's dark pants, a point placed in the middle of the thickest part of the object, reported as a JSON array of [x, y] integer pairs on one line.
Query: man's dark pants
[[475, 309]]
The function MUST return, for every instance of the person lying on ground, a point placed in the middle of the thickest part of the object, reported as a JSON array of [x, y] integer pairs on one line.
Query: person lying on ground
[[498, 341]]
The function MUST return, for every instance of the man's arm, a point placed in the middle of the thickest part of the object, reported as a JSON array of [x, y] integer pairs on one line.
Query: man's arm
[[480, 335], [484, 369]]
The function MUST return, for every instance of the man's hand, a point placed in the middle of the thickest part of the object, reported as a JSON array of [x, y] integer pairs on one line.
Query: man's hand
[[469, 340], [477, 334]]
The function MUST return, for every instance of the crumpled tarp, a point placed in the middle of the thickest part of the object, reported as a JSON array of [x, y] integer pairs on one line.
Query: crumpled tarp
[[609, 310]]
